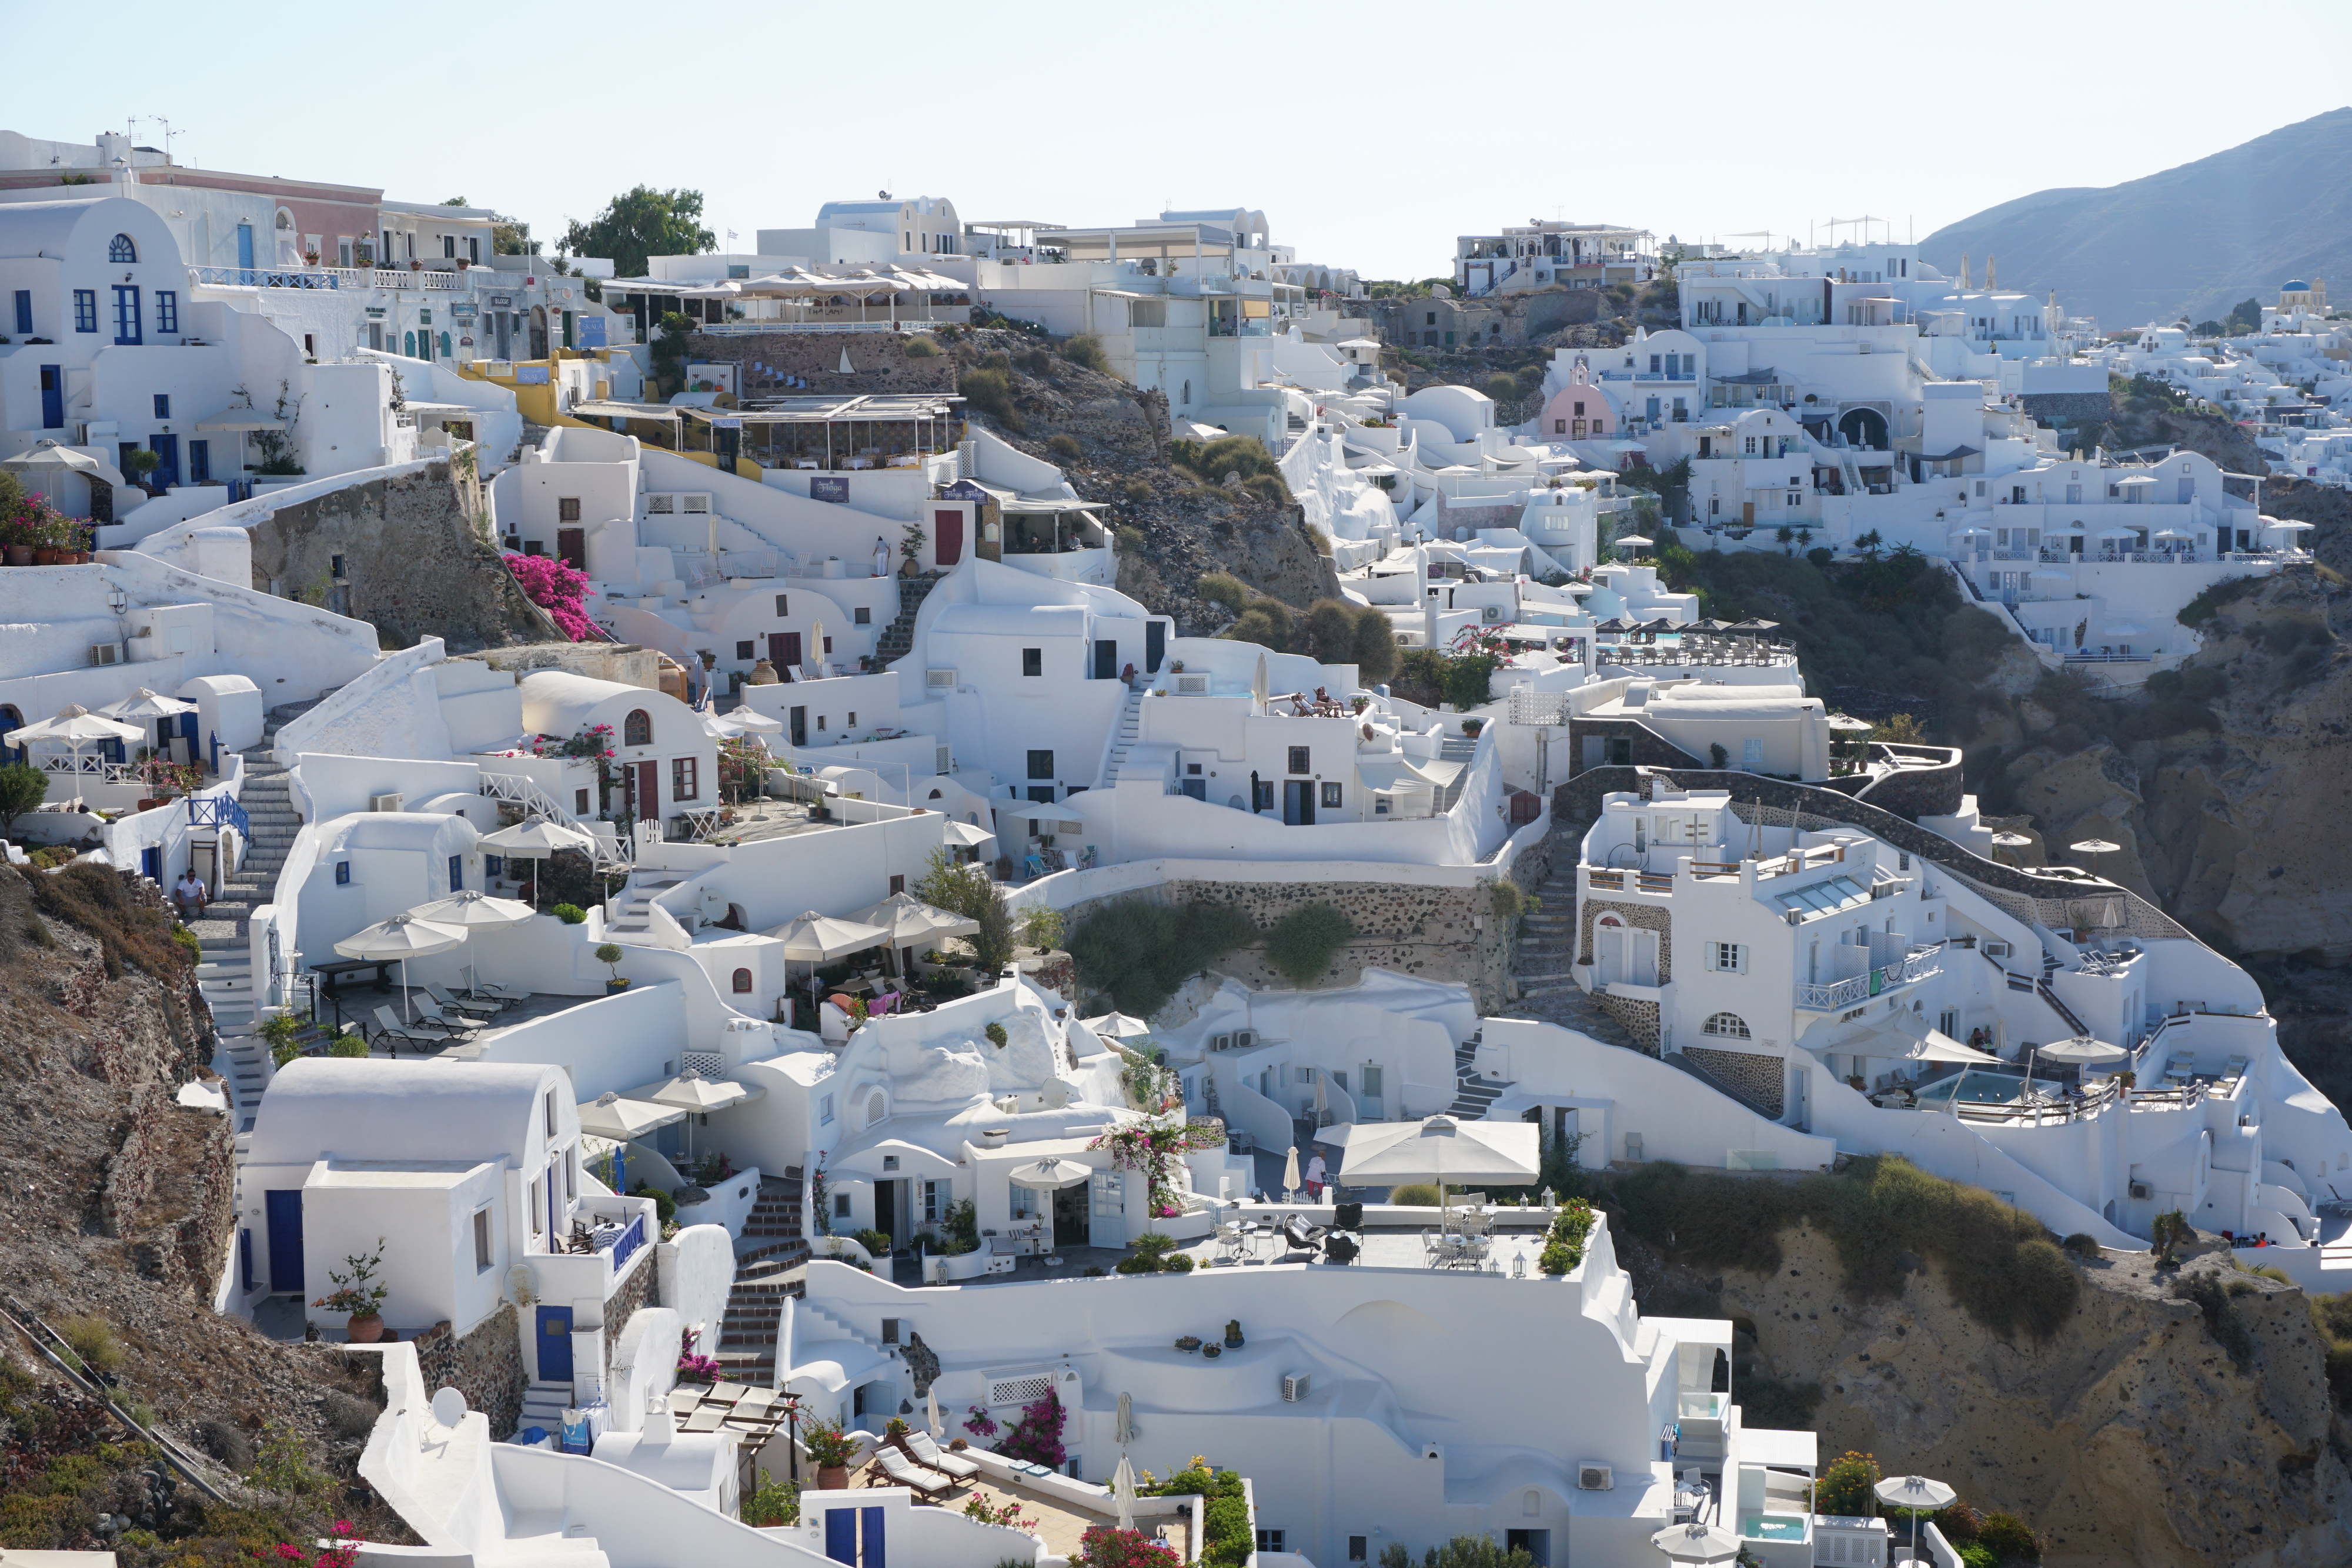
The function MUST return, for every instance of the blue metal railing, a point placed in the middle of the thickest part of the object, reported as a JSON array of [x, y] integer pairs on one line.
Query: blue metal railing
[[631, 1239], [219, 812]]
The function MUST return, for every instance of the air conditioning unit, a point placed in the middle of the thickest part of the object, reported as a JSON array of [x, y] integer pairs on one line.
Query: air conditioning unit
[[1221, 1042], [2140, 1190], [1191, 686], [939, 679], [385, 803], [1595, 1477], [1492, 614], [1243, 1039], [106, 653], [1294, 1387], [697, 503]]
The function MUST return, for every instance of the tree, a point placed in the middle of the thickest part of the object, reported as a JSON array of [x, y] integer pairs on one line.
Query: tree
[[22, 789], [1375, 646], [992, 945], [669, 349], [2246, 315], [511, 236], [639, 222]]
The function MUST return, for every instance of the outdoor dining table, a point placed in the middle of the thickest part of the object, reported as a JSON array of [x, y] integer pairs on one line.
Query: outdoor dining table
[[336, 973]]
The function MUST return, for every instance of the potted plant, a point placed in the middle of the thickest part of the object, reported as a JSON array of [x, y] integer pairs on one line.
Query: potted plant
[[140, 461], [358, 1293], [610, 955], [831, 1449], [1233, 1333]]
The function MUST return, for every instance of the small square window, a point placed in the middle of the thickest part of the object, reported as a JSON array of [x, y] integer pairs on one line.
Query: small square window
[[567, 508], [851, 721], [85, 309], [825, 1118], [780, 601], [163, 405], [1299, 760], [1032, 660], [897, 884], [743, 648], [861, 616], [1041, 765], [1331, 796], [482, 1259], [167, 310], [840, 1199]]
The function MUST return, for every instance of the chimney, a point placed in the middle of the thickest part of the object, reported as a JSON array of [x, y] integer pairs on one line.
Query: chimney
[[660, 1425]]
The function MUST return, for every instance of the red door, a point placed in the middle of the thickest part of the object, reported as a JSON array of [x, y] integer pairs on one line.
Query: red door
[[783, 649], [949, 526], [645, 798], [572, 548]]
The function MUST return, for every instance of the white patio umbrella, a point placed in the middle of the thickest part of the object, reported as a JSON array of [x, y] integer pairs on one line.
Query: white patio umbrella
[[814, 937], [1118, 1025], [624, 1119], [908, 922], [1696, 1543], [74, 726], [1049, 1174], [742, 721], [2080, 1052], [2094, 847], [1290, 1174], [1917, 1493], [402, 937], [1440, 1149], [696, 1095], [474, 911], [2117, 535], [536, 839], [1122, 1490], [1633, 542], [144, 704], [48, 457], [970, 835]]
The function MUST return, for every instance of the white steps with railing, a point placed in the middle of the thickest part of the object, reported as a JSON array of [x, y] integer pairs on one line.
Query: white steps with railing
[[630, 912], [1125, 739]]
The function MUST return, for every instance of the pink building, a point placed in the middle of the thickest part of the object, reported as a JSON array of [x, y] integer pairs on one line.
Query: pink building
[[1581, 410]]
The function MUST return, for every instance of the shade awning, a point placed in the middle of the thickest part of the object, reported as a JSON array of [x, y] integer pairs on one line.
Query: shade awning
[[1049, 1174], [400, 937], [536, 839], [626, 1120], [971, 835], [1441, 1148], [909, 921], [144, 704], [74, 724], [815, 938], [473, 910], [690, 1092]]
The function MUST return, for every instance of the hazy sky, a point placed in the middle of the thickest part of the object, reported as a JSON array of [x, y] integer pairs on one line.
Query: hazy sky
[[1370, 133]]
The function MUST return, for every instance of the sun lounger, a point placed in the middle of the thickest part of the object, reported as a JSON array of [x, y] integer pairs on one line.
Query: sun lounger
[[924, 1450], [902, 1471], [483, 1006], [389, 1028]]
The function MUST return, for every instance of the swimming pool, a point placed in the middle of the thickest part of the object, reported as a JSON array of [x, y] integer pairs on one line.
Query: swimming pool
[[1772, 1526], [1977, 1086]]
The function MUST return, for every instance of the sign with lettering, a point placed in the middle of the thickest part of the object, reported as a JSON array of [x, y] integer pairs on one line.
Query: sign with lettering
[[963, 490], [589, 331], [828, 488], [530, 375]]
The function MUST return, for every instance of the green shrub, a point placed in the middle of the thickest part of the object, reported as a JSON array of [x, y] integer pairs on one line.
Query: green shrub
[[921, 348], [1041, 927], [1139, 951], [1154, 1244], [348, 1045], [189, 943], [990, 390], [93, 1340], [664, 1205], [1227, 1537], [874, 1241], [1302, 944], [1086, 350], [1564, 1242], [2082, 1245], [570, 914], [1223, 588], [1845, 1488], [1209, 462], [2009, 1538], [1140, 1263], [22, 788], [1066, 448], [1976, 1555], [1136, 492], [1461, 1551], [1414, 1194], [1179, 1264], [996, 1035], [2214, 1299], [778, 1503]]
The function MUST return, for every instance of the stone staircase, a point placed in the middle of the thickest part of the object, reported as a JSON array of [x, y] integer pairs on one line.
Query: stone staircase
[[224, 972], [775, 1236], [1545, 970], [897, 638], [1474, 1094], [772, 1243], [1131, 731]]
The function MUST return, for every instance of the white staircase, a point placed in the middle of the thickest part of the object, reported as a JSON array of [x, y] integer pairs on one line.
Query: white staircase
[[1126, 737], [629, 911], [544, 1404], [1458, 748]]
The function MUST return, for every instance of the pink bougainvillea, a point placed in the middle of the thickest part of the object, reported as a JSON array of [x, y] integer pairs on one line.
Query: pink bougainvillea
[[558, 588]]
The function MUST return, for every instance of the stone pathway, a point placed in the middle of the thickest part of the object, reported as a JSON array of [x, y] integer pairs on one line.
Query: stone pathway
[[1546, 969]]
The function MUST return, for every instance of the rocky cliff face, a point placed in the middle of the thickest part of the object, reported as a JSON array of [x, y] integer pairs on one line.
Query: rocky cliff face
[[2133, 1436]]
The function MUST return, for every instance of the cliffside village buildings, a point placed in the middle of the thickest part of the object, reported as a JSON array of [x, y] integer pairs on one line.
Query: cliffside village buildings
[[837, 633]]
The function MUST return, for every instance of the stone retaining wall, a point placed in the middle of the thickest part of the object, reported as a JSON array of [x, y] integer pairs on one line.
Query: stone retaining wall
[[879, 362], [485, 1365], [1758, 1079]]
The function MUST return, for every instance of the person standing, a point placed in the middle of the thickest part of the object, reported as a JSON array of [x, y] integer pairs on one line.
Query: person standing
[[1314, 1172], [881, 556]]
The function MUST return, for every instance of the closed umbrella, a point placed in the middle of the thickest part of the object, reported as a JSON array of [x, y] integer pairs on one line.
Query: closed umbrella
[[931, 1411], [1290, 1175], [816, 647], [1917, 1493], [402, 937], [1258, 688], [1122, 1488], [1126, 1432], [1696, 1543], [1322, 1100]]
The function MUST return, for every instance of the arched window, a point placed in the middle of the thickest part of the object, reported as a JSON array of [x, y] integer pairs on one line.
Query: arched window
[[742, 981], [637, 730], [1730, 1026], [122, 250]]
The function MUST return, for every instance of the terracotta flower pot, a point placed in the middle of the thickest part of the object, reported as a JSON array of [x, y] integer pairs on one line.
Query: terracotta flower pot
[[44, 556], [20, 555], [833, 1478], [365, 1330]]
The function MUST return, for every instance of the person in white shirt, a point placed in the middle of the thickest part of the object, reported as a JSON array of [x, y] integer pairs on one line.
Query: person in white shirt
[[1315, 1169], [190, 893]]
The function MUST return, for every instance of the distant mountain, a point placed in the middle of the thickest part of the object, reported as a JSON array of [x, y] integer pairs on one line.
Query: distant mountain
[[2191, 241]]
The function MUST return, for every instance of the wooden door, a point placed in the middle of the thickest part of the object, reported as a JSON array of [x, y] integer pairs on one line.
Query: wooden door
[[947, 536], [783, 649], [572, 548], [645, 790], [1747, 514]]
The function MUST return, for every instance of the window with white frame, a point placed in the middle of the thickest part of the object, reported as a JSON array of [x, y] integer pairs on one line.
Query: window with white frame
[[1727, 1026], [1728, 958]]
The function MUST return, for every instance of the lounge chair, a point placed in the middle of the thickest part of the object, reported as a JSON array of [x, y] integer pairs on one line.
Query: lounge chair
[[1338, 1248], [924, 1450], [455, 1023], [474, 1007], [389, 1028], [1301, 1235], [1346, 1216], [490, 990], [928, 1485]]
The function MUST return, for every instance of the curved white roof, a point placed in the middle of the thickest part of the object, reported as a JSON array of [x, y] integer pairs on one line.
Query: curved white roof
[[559, 703], [406, 1111]]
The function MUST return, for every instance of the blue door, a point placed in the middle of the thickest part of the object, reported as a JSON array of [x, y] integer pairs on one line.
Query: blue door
[[841, 1534], [283, 1208], [126, 314], [166, 449], [151, 865], [200, 461], [53, 397], [555, 1344], [245, 247], [870, 1526]]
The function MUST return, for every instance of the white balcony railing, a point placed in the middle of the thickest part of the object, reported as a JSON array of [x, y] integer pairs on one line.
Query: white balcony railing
[[1836, 995], [333, 277]]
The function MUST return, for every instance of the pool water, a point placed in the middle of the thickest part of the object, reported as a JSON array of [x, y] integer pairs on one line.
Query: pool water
[[1975, 1087], [1772, 1526]]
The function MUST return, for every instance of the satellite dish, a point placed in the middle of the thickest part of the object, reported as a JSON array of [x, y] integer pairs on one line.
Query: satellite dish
[[519, 1288], [885, 195], [448, 1407]]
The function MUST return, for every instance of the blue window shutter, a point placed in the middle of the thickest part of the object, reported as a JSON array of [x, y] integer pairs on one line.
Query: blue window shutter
[[872, 1520], [456, 874], [24, 310]]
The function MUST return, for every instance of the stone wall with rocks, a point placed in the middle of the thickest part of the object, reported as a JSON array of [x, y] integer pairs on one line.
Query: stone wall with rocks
[[2070, 408], [879, 362], [625, 663], [1639, 1017], [1915, 792], [1752, 1076], [413, 563], [486, 1366], [642, 1289]]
